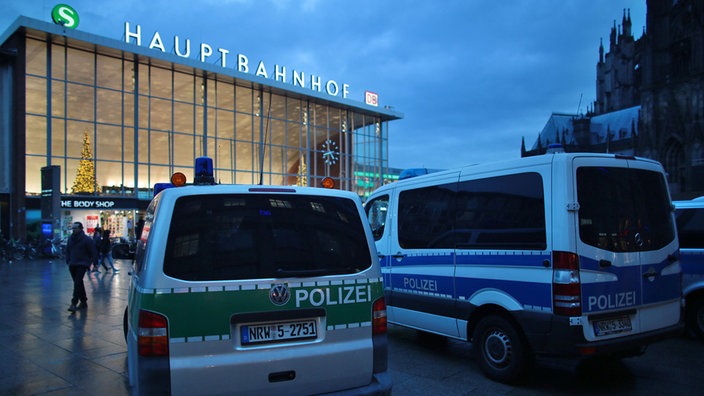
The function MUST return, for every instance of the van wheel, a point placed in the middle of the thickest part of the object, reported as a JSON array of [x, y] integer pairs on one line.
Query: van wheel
[[695, 317], [502, 352], [125, 324]]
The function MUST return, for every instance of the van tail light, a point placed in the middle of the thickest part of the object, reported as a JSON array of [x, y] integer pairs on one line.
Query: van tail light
[[379, 324], [152, 334], [380, 342], [566, 284]]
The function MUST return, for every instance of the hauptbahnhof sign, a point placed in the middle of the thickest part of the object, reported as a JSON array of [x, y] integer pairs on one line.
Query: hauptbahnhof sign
[[133, 34], [65, 15]]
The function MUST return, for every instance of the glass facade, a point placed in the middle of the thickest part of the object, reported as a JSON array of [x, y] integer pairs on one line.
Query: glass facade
[[145, 118]]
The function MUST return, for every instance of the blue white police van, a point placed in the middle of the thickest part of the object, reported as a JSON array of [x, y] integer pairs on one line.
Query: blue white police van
[[561, 254], [690, 230]]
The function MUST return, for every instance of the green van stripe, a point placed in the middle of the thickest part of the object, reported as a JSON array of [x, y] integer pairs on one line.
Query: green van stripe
[[196, 314]]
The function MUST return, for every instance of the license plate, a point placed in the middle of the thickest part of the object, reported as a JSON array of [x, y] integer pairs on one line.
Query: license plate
[[612, 326], [274, 332]]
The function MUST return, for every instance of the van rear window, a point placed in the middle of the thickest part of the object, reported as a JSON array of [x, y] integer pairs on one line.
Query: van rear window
[[624, 209], [250, 236], [690, 228]]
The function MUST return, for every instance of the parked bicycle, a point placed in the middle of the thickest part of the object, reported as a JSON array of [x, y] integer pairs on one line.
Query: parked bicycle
[[58, 247], [52, 248], [3, 248], [31, 250], [12, 249]]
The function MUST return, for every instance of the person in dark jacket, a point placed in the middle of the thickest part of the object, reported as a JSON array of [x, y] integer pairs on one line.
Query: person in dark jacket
[[105, 251], [138, 229], [80, 254], [98, 240]]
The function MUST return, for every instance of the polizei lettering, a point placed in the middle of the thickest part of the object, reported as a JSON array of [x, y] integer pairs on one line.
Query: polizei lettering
[[611, 301], [430, 285], [334, 296]]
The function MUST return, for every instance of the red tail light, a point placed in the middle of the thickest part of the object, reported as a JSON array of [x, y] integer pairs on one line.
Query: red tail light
[[566, 284], [379, 324], [152, 335]]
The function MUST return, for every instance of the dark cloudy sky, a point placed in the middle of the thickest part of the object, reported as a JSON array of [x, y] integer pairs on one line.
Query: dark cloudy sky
[[471, 77]]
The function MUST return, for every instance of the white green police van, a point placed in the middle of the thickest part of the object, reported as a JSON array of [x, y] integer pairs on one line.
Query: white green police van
[[561, 254], [256, 290], [690, 230]]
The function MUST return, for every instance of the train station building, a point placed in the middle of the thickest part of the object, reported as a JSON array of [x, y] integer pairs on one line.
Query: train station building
[[89, 124]]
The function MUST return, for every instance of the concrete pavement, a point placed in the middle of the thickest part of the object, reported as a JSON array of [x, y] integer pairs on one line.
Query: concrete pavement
[[47, 350]]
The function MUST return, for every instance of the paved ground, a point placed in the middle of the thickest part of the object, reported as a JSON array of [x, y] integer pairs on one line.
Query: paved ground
[[426, 365], [44, 349]]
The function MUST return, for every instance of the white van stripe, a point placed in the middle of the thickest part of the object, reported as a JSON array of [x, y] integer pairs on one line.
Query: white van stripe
[[249, 287], [214, 337], [348, 326]]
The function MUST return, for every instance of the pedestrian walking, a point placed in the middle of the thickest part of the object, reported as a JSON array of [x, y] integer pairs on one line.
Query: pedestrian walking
[[138, 228], [80, 253], [97, 239], [106, 252]]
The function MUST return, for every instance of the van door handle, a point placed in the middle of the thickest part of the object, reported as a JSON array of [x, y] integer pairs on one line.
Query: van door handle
[[604, 263], [398, 256]]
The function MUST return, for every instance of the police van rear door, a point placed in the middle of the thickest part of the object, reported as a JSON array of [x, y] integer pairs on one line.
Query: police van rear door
[[626, 245]]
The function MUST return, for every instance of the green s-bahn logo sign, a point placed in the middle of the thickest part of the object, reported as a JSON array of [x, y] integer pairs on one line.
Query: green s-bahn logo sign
[[65, 15]]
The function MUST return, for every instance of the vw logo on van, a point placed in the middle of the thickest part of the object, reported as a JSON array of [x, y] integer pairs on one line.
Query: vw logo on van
[[638, 239], [651, 274], [279, 294]]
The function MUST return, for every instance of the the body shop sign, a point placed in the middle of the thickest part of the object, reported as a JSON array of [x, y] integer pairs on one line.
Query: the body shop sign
[[98, 203], [78, 203]]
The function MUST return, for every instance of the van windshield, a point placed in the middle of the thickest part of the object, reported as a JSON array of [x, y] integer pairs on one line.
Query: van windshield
[[624, 209], [250, 236]]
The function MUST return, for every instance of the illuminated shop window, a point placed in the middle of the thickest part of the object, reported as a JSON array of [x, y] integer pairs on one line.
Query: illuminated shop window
[[149, 118]]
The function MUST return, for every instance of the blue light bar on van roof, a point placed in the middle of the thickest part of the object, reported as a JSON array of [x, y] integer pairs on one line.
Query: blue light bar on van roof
[[412, 172], [159, 187], [203, 171]]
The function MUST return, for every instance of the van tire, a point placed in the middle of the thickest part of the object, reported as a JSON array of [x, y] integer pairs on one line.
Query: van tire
[[502, 351], [695, 317]]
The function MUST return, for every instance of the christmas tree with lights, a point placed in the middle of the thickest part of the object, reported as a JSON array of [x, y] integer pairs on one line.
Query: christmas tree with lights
[[301, 179], [85, 175]]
